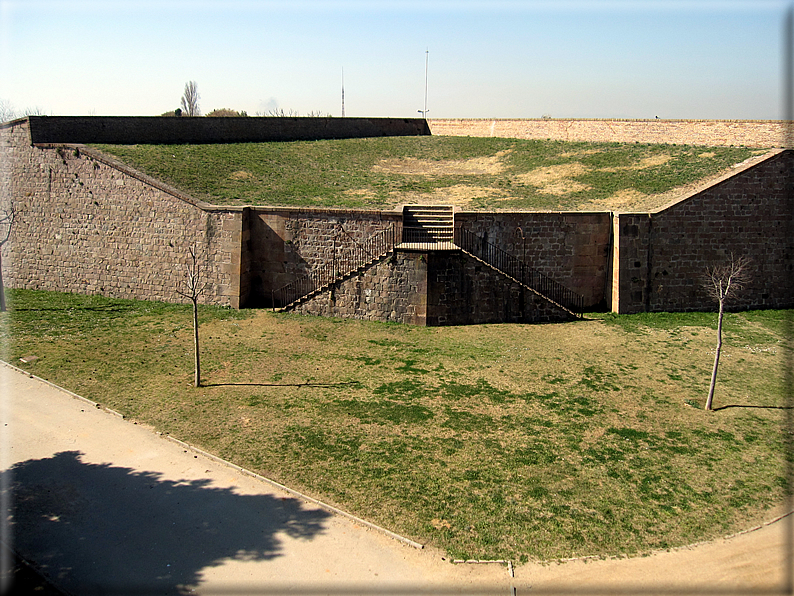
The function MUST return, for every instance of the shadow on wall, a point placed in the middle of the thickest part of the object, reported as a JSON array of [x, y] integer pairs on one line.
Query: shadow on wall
[[273, 263], [97, 528]]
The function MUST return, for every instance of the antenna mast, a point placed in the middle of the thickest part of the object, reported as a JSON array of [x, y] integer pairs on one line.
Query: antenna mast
[[343, 92], [424, 112]]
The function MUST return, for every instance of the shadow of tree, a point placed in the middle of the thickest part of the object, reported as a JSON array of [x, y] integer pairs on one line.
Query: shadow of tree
[[751, 406], [326, 385], [101, 529]]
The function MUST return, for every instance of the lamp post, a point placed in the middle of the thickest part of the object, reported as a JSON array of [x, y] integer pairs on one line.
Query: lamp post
[[424, 112]]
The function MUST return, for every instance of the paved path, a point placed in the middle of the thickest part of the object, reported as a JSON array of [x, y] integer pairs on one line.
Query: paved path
[[102, 505]]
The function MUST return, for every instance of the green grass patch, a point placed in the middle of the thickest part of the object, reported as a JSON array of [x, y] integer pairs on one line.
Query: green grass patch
[[485, 173], [496, 442]]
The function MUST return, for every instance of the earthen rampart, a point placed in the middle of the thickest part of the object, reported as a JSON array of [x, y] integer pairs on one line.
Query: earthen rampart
[[714, 133], [89, 224]]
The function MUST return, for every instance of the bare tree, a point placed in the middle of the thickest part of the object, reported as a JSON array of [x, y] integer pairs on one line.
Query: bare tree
[[34, 111], [722, 283], [280, 113], [190, 99], [7, 111], [6, 223], [193, 287]]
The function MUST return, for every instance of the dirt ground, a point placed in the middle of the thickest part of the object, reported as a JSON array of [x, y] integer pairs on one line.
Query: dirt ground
[[559, 180]]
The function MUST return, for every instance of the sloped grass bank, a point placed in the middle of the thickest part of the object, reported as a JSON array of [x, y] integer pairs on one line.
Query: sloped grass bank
[[471, 172], [496, 441]]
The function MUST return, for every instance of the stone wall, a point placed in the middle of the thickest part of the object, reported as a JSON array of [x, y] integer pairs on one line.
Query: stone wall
[[432, 288], [86, 225], [630, 263], [394, 289], [463, 291], [125, 130], [572, 248], [716, 133], [89, 224], [661, 257], [288, 243]]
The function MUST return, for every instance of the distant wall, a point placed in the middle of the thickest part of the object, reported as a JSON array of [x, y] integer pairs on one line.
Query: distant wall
[[164, 130], [717, 133]]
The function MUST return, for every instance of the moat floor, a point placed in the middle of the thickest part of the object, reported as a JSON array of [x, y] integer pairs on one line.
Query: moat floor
[[103, 505]]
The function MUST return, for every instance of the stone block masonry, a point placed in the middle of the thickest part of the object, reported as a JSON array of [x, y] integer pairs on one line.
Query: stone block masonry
[[89, 224], [714, 133], [432, 288], [572, 248], [661, 257], [394, 289], [288, 243], [464, 291]]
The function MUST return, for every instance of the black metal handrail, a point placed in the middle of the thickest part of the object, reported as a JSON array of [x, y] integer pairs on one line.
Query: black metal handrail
[[518, 270], [344, 260], [429, 236]]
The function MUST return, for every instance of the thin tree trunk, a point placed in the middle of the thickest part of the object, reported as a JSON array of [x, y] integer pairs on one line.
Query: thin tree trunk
[[716, 357], [197, 379], [2, 288]]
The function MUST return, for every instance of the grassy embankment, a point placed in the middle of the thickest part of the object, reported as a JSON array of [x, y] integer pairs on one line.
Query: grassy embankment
[[494, 441], [470, 172]]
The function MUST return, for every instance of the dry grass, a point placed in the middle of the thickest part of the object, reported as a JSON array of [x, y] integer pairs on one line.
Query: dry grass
[[493, 441], [471, 173]]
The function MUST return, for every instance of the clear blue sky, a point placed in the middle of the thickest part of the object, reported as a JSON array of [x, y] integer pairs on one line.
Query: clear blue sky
[[488, 59]]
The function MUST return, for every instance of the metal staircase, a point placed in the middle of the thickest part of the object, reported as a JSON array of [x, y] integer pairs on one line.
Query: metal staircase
[[354, 258], [423, 228], [518, 271]]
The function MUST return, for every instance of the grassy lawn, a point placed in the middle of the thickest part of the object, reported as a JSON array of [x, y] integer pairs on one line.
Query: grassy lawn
[[471, 172], [495, 441]]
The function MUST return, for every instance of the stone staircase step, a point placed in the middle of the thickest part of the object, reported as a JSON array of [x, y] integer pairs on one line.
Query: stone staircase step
[[428, 224]]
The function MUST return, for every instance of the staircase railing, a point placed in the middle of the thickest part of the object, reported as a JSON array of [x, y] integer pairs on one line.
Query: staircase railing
[[344, 261], [518, 270]]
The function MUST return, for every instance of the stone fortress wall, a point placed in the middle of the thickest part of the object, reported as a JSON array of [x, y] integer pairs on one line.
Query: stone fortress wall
[[660, 257], [89, 224], [714, 133]]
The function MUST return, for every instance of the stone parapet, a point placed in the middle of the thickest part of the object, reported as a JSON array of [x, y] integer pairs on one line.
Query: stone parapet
[[163, 130], [713, 133]]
